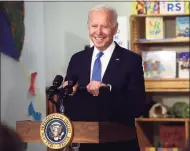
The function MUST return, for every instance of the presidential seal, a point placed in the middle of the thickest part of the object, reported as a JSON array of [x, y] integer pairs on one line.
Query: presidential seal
[[56, 131]]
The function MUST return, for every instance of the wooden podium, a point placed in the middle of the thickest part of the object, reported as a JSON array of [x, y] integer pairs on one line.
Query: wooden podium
[[84, 132]]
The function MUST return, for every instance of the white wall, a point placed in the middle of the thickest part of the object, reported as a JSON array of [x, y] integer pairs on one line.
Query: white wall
[[14, 84]]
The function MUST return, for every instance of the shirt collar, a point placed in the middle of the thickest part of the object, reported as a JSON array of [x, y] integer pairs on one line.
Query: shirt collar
[[106, 52]]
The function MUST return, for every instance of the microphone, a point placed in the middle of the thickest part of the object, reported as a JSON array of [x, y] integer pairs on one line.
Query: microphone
[[58, 80], [62, 93]]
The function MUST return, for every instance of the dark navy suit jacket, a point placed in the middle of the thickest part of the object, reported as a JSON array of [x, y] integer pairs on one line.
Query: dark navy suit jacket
[[124, 73]]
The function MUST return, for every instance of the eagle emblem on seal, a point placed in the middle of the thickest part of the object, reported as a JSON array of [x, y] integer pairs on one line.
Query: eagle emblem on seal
[[56, 131]]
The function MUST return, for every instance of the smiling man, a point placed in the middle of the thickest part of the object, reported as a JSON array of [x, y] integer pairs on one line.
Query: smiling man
[[108, 64]]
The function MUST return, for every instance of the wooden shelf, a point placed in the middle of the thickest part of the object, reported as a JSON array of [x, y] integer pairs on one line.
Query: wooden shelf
[[174, 40], [145, 128], [161, 15], [162, 119], [167, 85]]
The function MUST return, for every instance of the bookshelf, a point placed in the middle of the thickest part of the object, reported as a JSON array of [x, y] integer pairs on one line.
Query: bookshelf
[[167, 85], [146, 126], [160, 15], [173, 41], [137, 27]]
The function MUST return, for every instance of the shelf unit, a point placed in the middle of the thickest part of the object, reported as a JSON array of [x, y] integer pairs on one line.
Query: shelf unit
[[138, 31], [166, 41], [146, 126], [167, 85], [160, 15]]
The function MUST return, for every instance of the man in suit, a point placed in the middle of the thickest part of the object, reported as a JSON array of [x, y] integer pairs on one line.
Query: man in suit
[[108, 64]]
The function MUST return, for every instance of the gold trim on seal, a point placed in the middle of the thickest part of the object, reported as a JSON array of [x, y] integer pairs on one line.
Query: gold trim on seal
[[68, 126]]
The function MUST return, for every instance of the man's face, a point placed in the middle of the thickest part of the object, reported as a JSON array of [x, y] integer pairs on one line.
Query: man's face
[[101, 29]]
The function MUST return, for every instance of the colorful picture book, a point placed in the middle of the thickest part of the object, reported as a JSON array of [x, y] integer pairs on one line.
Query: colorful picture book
[[187, 7], [153, 7], [154, 28], [138, 7], [159, 64], [183, 26], [146, 7], [184, 65]]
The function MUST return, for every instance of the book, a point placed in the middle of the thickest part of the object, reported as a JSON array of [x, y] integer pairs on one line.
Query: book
[[154, 28], [172, 136], [159, 64], [184, 64], [138, 7], [187, 7], [182, 26], [172, 7], [153, 7]]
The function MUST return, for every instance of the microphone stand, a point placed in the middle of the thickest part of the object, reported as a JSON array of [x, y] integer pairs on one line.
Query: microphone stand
[[61, 109]]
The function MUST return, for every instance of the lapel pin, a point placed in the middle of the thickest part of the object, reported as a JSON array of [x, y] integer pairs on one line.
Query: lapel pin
[[117, 59]]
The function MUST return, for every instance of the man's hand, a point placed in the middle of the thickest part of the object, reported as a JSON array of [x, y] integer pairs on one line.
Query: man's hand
[[74, 88], [93, 87]]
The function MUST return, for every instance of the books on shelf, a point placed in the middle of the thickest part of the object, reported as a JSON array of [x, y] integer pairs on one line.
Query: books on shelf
[[182, 26], [146, 7], [159, 64], [184, 65], [154, 28], [160, 149], [172, 136], [166, 64], [160, 7]]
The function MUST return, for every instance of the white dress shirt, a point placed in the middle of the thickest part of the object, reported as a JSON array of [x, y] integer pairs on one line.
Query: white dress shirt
[[104, 59]]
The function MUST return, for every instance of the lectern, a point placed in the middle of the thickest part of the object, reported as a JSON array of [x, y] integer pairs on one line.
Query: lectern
[[84, 131]]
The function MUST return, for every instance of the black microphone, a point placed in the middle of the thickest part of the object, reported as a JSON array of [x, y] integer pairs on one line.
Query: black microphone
[[58, 80]]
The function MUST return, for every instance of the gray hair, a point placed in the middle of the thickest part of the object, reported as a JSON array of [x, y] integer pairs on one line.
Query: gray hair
[[103, 7]]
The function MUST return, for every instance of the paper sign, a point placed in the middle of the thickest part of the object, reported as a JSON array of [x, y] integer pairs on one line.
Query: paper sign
[[32, 83]]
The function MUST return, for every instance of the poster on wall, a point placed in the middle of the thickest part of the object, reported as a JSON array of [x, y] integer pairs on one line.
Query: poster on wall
[[121, 37]]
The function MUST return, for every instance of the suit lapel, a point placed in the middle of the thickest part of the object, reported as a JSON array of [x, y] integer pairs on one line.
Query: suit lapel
[[87, 67], [113, 65]]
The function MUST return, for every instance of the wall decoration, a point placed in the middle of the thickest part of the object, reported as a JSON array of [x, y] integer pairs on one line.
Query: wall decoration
[[31, 112], [12, 28], [32, 83]]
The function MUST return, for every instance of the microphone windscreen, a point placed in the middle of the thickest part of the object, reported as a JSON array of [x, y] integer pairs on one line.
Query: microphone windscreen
[[58, 81]]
